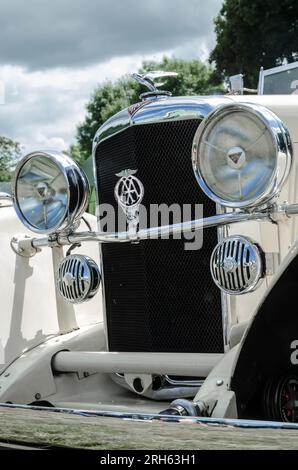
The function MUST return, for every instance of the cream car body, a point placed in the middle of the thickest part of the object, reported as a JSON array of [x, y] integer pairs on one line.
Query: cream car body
[[39, 329]]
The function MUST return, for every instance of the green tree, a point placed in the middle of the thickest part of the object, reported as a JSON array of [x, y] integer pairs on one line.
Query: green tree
[[194, 78], [74, 153], [10, 151], [255, 33], [106, 101]]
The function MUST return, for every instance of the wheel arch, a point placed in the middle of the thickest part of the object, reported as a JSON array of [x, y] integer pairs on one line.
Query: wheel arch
[[267, 347]]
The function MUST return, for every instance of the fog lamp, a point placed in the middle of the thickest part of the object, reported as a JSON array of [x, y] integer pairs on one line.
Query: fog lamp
[[237, 265], [78, 278]]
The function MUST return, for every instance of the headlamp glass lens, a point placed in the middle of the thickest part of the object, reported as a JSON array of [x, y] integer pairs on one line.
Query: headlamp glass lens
[[42, 193], [237, 157]]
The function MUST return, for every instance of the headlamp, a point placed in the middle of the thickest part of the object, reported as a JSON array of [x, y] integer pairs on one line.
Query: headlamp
[[241, 155], [50, 192]]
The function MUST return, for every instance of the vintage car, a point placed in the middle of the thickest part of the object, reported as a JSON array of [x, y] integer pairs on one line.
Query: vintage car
[[189, 316]]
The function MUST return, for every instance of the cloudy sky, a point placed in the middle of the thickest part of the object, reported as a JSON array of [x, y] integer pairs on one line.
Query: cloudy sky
[[54, 52]]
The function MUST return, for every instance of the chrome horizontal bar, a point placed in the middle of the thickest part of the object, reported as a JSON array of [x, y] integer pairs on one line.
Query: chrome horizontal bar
[[289, 209], [153, 233], [5, 197], [185, 364]]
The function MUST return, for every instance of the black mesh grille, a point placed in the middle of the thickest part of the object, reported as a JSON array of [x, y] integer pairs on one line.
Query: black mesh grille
[[159, 297]]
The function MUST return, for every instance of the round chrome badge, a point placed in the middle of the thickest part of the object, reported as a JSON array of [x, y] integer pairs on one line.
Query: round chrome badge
[[129, 191]]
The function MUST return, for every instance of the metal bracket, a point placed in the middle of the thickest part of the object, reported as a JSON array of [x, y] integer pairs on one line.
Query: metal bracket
[[271, 263], [22, 245], [5, 199]]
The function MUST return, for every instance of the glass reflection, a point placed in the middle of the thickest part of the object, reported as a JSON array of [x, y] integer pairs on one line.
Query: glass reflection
[[248, 177], [42, 193]]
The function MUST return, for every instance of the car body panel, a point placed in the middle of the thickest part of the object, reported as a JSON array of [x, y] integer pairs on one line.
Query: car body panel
[[27, 291]]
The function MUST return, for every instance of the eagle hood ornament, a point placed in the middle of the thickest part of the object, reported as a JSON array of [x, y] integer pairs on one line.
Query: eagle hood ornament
[[149, 80]]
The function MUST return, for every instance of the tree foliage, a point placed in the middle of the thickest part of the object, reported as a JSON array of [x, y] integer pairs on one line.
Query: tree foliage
[[194, 78], [106, 101], [10, 151], [255, 33]]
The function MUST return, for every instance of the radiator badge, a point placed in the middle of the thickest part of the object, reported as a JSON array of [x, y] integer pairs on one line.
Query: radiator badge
[[129, 191]]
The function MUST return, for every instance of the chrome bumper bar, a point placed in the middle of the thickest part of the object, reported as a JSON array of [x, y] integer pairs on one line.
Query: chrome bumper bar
[[151, 233], [273, 214]]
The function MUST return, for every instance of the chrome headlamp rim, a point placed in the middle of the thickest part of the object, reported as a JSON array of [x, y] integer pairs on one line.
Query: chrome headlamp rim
[[282, 144], [76, 185]]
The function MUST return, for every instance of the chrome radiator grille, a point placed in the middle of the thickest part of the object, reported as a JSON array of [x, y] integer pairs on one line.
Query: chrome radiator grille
[[158, 296]]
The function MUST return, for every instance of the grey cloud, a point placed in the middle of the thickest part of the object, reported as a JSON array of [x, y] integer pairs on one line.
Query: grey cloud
[[70, 33], [54, 53], [40, 111]]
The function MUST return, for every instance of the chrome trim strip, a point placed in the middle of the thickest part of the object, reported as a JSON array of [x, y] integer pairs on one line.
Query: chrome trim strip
[[221, 234], [160, 109], [185, 383], [103, 296]]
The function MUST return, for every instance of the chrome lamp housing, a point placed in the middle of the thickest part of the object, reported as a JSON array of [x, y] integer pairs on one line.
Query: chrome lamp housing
[[50, 192], [78, 278], [237, 265], [241, 155]]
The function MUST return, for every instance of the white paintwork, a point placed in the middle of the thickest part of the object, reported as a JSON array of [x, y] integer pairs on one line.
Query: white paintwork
[[27, 292], [65, 311], [284, 106], [273, 238], [215, 393], [30, 378], [185, 364], [32, 373], [224, 397]]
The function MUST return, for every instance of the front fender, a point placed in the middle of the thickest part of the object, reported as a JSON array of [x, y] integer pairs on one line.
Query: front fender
[[266, 348], [27, 293]]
